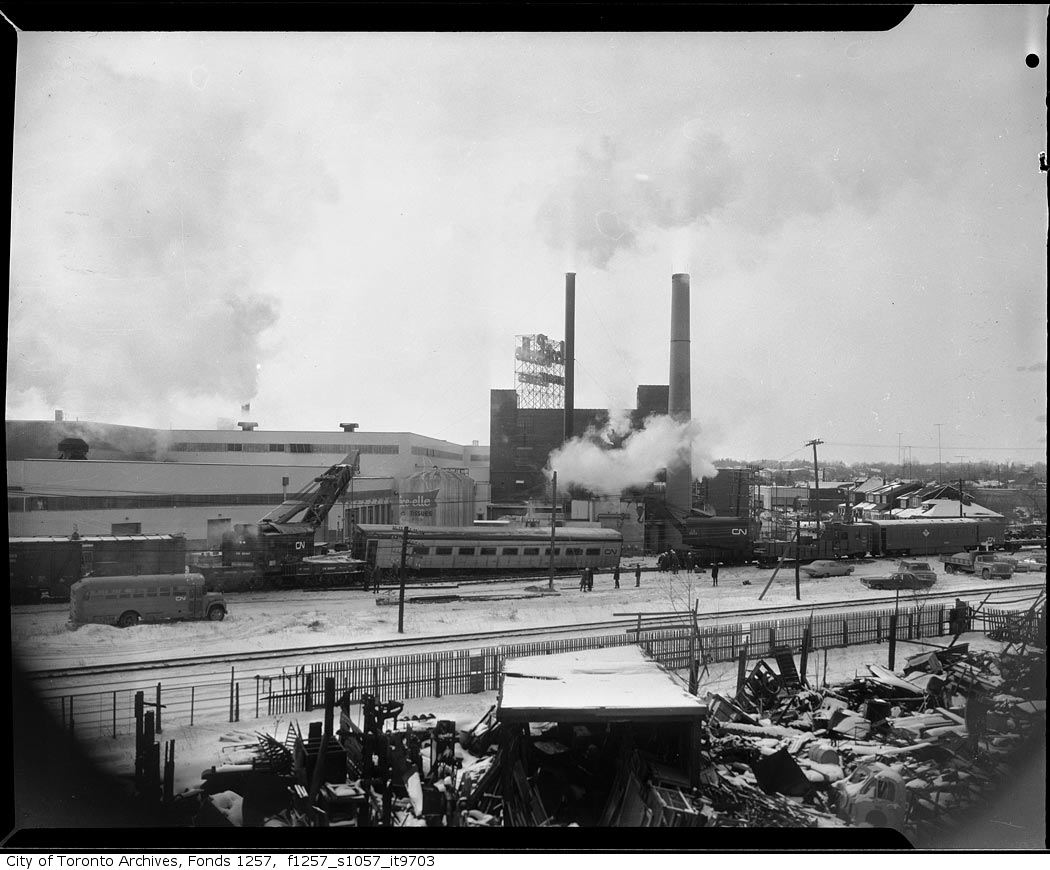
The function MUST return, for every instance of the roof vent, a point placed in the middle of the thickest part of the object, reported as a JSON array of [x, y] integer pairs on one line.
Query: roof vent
[[349, 427], [248, 427]]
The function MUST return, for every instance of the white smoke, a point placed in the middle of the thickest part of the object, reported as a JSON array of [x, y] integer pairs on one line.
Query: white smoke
[[615, 457]]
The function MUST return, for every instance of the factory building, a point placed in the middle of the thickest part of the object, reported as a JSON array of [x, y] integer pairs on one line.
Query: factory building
[[112, 479], [521, 440]]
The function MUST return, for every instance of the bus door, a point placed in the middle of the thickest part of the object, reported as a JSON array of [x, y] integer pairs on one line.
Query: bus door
[[180, 598], [196, 601]]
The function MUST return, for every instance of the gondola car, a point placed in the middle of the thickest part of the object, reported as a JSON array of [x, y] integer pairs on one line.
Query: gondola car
[[473, 549]]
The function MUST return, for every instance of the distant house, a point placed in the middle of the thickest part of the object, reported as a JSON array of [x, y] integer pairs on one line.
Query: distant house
[[882, 500], [937, 508]]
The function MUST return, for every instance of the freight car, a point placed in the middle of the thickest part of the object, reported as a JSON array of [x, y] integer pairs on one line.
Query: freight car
[[910, 537], [473, 549], [49, 565]]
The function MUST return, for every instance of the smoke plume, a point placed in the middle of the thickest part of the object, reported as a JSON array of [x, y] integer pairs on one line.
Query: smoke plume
[[610, 199], [615, 457], [147, 250]]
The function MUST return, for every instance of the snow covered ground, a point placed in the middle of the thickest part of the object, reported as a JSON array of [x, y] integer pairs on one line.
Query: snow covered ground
[[302, 619]]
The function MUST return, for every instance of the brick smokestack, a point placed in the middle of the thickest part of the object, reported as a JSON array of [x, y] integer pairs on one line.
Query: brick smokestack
[[570, 350], [679, 404]]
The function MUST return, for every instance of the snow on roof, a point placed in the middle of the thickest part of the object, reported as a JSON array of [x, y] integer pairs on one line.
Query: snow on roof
[[945, 507], [601, 685]]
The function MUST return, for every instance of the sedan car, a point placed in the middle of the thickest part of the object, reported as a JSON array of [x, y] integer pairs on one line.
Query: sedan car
[[899, 580], [923, 570], [827, 568]]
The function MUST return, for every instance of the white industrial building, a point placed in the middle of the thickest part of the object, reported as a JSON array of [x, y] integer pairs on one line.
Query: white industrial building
[[201, 482]]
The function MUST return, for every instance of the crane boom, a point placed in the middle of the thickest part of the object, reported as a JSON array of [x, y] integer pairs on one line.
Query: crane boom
[[315, 500]]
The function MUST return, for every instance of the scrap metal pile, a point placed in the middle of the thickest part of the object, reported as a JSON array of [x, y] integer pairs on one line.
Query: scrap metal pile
[[917, 751]]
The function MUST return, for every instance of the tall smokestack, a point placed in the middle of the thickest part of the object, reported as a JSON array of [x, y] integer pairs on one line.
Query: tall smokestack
[[679, 405], [570, 351]]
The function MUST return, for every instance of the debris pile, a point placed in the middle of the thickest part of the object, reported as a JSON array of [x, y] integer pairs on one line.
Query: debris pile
[[916, 750]]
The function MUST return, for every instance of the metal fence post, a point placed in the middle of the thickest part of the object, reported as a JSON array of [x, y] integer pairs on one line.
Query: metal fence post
[[159, 729], [114, 715], [257, 678], [193, 690], [231, 694]]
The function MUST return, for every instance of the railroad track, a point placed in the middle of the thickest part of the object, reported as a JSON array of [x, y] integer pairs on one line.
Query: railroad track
[[625, 623]]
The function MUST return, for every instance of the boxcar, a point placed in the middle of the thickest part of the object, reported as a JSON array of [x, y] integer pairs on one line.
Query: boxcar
[[471, 549], [50, 564], [919, 537]]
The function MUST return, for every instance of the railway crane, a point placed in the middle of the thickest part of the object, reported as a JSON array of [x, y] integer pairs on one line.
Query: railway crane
[[278, 550]]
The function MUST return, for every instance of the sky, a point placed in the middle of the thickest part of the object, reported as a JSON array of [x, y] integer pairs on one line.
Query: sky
[[354, 227]]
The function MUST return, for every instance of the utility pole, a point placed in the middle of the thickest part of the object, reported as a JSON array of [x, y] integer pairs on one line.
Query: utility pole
[[798, 556], [939, 468], [401, 578], [816, 479], [900, 454], [554, 514], [960, 497]]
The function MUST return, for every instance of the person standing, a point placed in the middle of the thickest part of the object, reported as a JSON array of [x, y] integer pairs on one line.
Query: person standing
[[616, 576], [590, 579], [583, 580], [714, 574], [638, 574]]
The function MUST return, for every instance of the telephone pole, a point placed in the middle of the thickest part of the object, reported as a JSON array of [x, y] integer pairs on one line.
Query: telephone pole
[[939, 468], [816, 479], [554, 514], [401, 579]]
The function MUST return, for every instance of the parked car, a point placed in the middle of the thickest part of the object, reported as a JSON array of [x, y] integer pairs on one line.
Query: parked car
[[827, 568], [920, 569], [875, 794], [899, 580]]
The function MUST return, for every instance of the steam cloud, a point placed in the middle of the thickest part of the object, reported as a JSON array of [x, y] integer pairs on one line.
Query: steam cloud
[[137, 284], [616, 457]]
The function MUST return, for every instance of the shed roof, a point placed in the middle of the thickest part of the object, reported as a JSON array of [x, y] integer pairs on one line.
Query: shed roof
[[615, 684]]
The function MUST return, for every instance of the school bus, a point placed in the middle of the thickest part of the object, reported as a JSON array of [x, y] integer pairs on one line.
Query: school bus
[[127, 601]]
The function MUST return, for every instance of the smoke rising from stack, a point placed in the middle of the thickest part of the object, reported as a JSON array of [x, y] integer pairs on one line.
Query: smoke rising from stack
[[615, 457], [152, 279], [611, 199]]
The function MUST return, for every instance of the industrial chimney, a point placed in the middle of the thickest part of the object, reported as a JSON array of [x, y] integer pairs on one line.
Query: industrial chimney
[[679, 404], [570, 350]]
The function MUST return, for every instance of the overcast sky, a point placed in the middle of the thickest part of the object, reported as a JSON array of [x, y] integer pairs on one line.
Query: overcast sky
[[354, 228]]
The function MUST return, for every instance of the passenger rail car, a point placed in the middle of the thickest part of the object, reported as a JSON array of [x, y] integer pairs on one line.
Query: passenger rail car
[[470, 549], [50, 565]]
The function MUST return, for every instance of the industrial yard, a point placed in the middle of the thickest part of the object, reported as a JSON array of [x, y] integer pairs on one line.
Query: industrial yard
[[524, 431]]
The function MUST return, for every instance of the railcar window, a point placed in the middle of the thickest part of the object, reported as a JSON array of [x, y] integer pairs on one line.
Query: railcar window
[[151, 593], [466, 551], [164, 591], [488, 551], [531, 551], [594, 551], [573, 551], [547, 551], [510, 551], [443, 551], [421, 551]]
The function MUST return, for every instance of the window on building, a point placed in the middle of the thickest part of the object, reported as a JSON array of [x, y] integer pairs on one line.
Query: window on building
[[277, 448], [234, 448], [300, 448]]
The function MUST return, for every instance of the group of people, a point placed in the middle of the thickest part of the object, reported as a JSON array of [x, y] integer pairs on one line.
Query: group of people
[[674, 561], [587, 578]]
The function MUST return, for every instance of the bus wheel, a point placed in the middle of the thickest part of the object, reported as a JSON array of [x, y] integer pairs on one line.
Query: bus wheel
[[217, 613], [128, 619]]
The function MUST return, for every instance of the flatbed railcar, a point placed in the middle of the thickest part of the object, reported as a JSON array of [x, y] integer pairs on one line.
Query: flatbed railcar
[[476, 549], [50, 564]]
